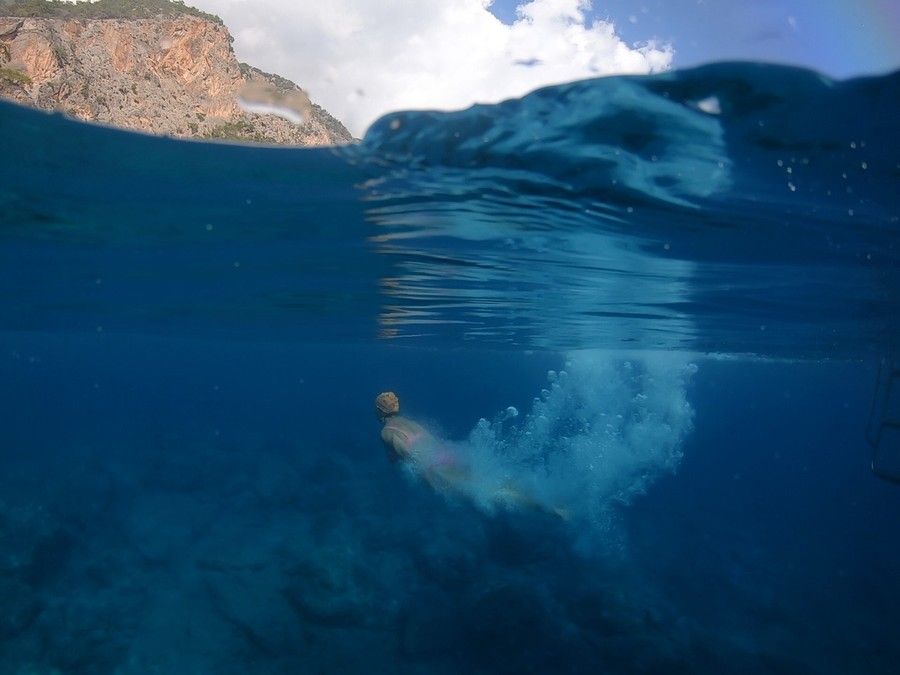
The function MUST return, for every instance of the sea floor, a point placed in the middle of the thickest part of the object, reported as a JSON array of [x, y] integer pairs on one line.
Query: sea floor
[[226, 559], [189, 557]]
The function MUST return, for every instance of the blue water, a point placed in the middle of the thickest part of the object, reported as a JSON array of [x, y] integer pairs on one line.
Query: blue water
[[660, 303]]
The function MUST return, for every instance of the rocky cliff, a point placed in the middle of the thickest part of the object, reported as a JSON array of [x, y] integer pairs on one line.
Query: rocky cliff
[[174, 73]]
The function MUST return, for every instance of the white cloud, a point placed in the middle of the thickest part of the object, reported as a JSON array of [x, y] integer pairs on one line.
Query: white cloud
[[362, 58]]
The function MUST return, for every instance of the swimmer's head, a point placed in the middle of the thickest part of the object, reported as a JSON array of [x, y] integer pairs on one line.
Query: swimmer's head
[[387, 404]]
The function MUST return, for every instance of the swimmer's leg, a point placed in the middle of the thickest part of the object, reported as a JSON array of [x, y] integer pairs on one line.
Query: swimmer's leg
[[509, 495], [446, 469]]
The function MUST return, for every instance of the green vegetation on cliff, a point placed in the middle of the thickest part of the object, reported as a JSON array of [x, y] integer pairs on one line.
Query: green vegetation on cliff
[[282, 84], [236, 131], [14, 76], [102, 9]]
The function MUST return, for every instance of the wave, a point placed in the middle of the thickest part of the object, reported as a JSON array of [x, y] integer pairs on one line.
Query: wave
[[678, 137]]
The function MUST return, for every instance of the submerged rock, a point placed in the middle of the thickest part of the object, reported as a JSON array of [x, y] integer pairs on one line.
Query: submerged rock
[[337, 586], [34, 547], [327, 597], [20, 607], [510, 629], [277, 483], [429, 626], [446, 564], [250, 603], [49, 557]]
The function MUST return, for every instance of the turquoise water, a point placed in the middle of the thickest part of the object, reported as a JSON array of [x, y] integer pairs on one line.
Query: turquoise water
[[659, 303]]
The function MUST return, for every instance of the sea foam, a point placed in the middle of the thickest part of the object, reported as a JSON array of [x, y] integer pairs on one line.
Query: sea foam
[[599, 434]]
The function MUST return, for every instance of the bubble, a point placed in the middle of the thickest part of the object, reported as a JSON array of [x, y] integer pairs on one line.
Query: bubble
[[710, 105], [626, 420]]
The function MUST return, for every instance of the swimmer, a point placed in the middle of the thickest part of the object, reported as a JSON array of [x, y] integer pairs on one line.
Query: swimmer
[[439, 462], [408, 441]]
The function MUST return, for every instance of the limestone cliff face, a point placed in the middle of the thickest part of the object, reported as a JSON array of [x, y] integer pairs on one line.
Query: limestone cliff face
[[173, 75]]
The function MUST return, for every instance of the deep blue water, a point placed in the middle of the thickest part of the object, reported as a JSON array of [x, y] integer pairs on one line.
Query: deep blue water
[[683, 284]]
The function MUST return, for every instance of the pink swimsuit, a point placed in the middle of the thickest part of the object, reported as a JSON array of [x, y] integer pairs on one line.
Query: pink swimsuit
[[435, 455]]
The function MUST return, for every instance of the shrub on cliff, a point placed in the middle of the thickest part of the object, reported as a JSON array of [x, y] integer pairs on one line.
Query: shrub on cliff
[[239, 130], [12, 76], [101, 9]]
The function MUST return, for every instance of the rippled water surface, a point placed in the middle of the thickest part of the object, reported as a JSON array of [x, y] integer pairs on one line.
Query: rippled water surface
[[601, 213]]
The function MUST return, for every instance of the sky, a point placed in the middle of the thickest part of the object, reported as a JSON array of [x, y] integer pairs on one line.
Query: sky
[[840, 38], [360, 59]]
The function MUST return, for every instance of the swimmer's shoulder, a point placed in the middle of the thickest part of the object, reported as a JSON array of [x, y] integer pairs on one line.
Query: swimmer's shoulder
[[403, 425], [394, 427], [403, 434]]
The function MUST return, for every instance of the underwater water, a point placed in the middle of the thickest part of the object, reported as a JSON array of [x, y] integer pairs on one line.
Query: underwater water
[[659, 306]]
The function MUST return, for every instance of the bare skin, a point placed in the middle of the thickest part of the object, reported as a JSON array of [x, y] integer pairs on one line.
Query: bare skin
[[409, 441], [401, 435], [437, 463]]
